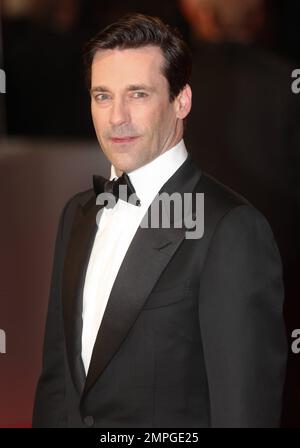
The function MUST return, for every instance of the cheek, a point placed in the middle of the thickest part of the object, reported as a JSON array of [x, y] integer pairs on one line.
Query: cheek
[[94, 117], [98, 117], [146, 117], [164, 120]]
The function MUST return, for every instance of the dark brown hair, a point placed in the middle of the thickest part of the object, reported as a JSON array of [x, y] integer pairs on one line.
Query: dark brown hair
[[137, 30]]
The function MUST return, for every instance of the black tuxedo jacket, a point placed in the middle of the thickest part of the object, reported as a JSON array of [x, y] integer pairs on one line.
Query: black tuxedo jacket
[[193, 333]]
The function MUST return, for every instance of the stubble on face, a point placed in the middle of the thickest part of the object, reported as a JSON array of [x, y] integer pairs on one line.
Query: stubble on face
[[133, 117]]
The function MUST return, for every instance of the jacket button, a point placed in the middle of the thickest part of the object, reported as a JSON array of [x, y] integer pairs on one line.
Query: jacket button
[[89, 420]]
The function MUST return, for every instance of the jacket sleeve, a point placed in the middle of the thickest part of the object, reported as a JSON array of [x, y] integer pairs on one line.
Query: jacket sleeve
[[49, 405], [240, 311]]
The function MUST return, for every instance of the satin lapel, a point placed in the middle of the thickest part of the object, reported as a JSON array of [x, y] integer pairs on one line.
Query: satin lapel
[[76, 261], [156, 246]]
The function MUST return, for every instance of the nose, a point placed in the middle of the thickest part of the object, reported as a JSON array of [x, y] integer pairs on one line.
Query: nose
[[119, 113]]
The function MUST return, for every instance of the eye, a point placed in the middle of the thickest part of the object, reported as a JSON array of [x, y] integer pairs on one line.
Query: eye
[[139, 94], [100, 97]]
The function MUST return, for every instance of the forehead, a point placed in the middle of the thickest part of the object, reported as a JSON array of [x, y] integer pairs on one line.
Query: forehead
[[132, 65]]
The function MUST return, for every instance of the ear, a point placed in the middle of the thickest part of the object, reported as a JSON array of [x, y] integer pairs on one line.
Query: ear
[[183, 102]]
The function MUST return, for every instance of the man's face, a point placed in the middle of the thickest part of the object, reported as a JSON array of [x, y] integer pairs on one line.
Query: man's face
[[133, 117]]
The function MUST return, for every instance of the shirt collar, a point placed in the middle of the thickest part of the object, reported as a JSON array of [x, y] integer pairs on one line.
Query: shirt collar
[[156, 172]]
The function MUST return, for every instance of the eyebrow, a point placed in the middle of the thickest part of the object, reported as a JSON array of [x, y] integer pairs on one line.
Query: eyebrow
[[140, 87], [130, 88]]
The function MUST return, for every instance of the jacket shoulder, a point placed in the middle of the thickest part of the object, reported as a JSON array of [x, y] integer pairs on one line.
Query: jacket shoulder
[[220, 202], [219, 195], [81, 198]]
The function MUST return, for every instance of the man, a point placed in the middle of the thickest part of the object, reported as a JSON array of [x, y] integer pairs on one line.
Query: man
[[146, 327]]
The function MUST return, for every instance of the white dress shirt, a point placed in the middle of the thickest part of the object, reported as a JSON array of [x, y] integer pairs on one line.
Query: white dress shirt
[[116, 230]]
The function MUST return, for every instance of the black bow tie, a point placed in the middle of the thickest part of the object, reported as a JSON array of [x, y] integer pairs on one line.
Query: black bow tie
[[103, 185]]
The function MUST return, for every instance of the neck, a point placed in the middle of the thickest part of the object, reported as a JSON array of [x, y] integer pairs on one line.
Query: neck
[[118, 172]]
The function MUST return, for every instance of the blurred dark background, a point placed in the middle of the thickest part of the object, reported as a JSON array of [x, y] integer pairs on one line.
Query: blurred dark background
[[244, 130]]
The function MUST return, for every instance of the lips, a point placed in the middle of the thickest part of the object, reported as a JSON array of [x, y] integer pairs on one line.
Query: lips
[[123, 139]]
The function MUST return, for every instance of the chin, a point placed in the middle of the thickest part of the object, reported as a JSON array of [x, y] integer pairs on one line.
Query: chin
[[124, 163], [124, 167]]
